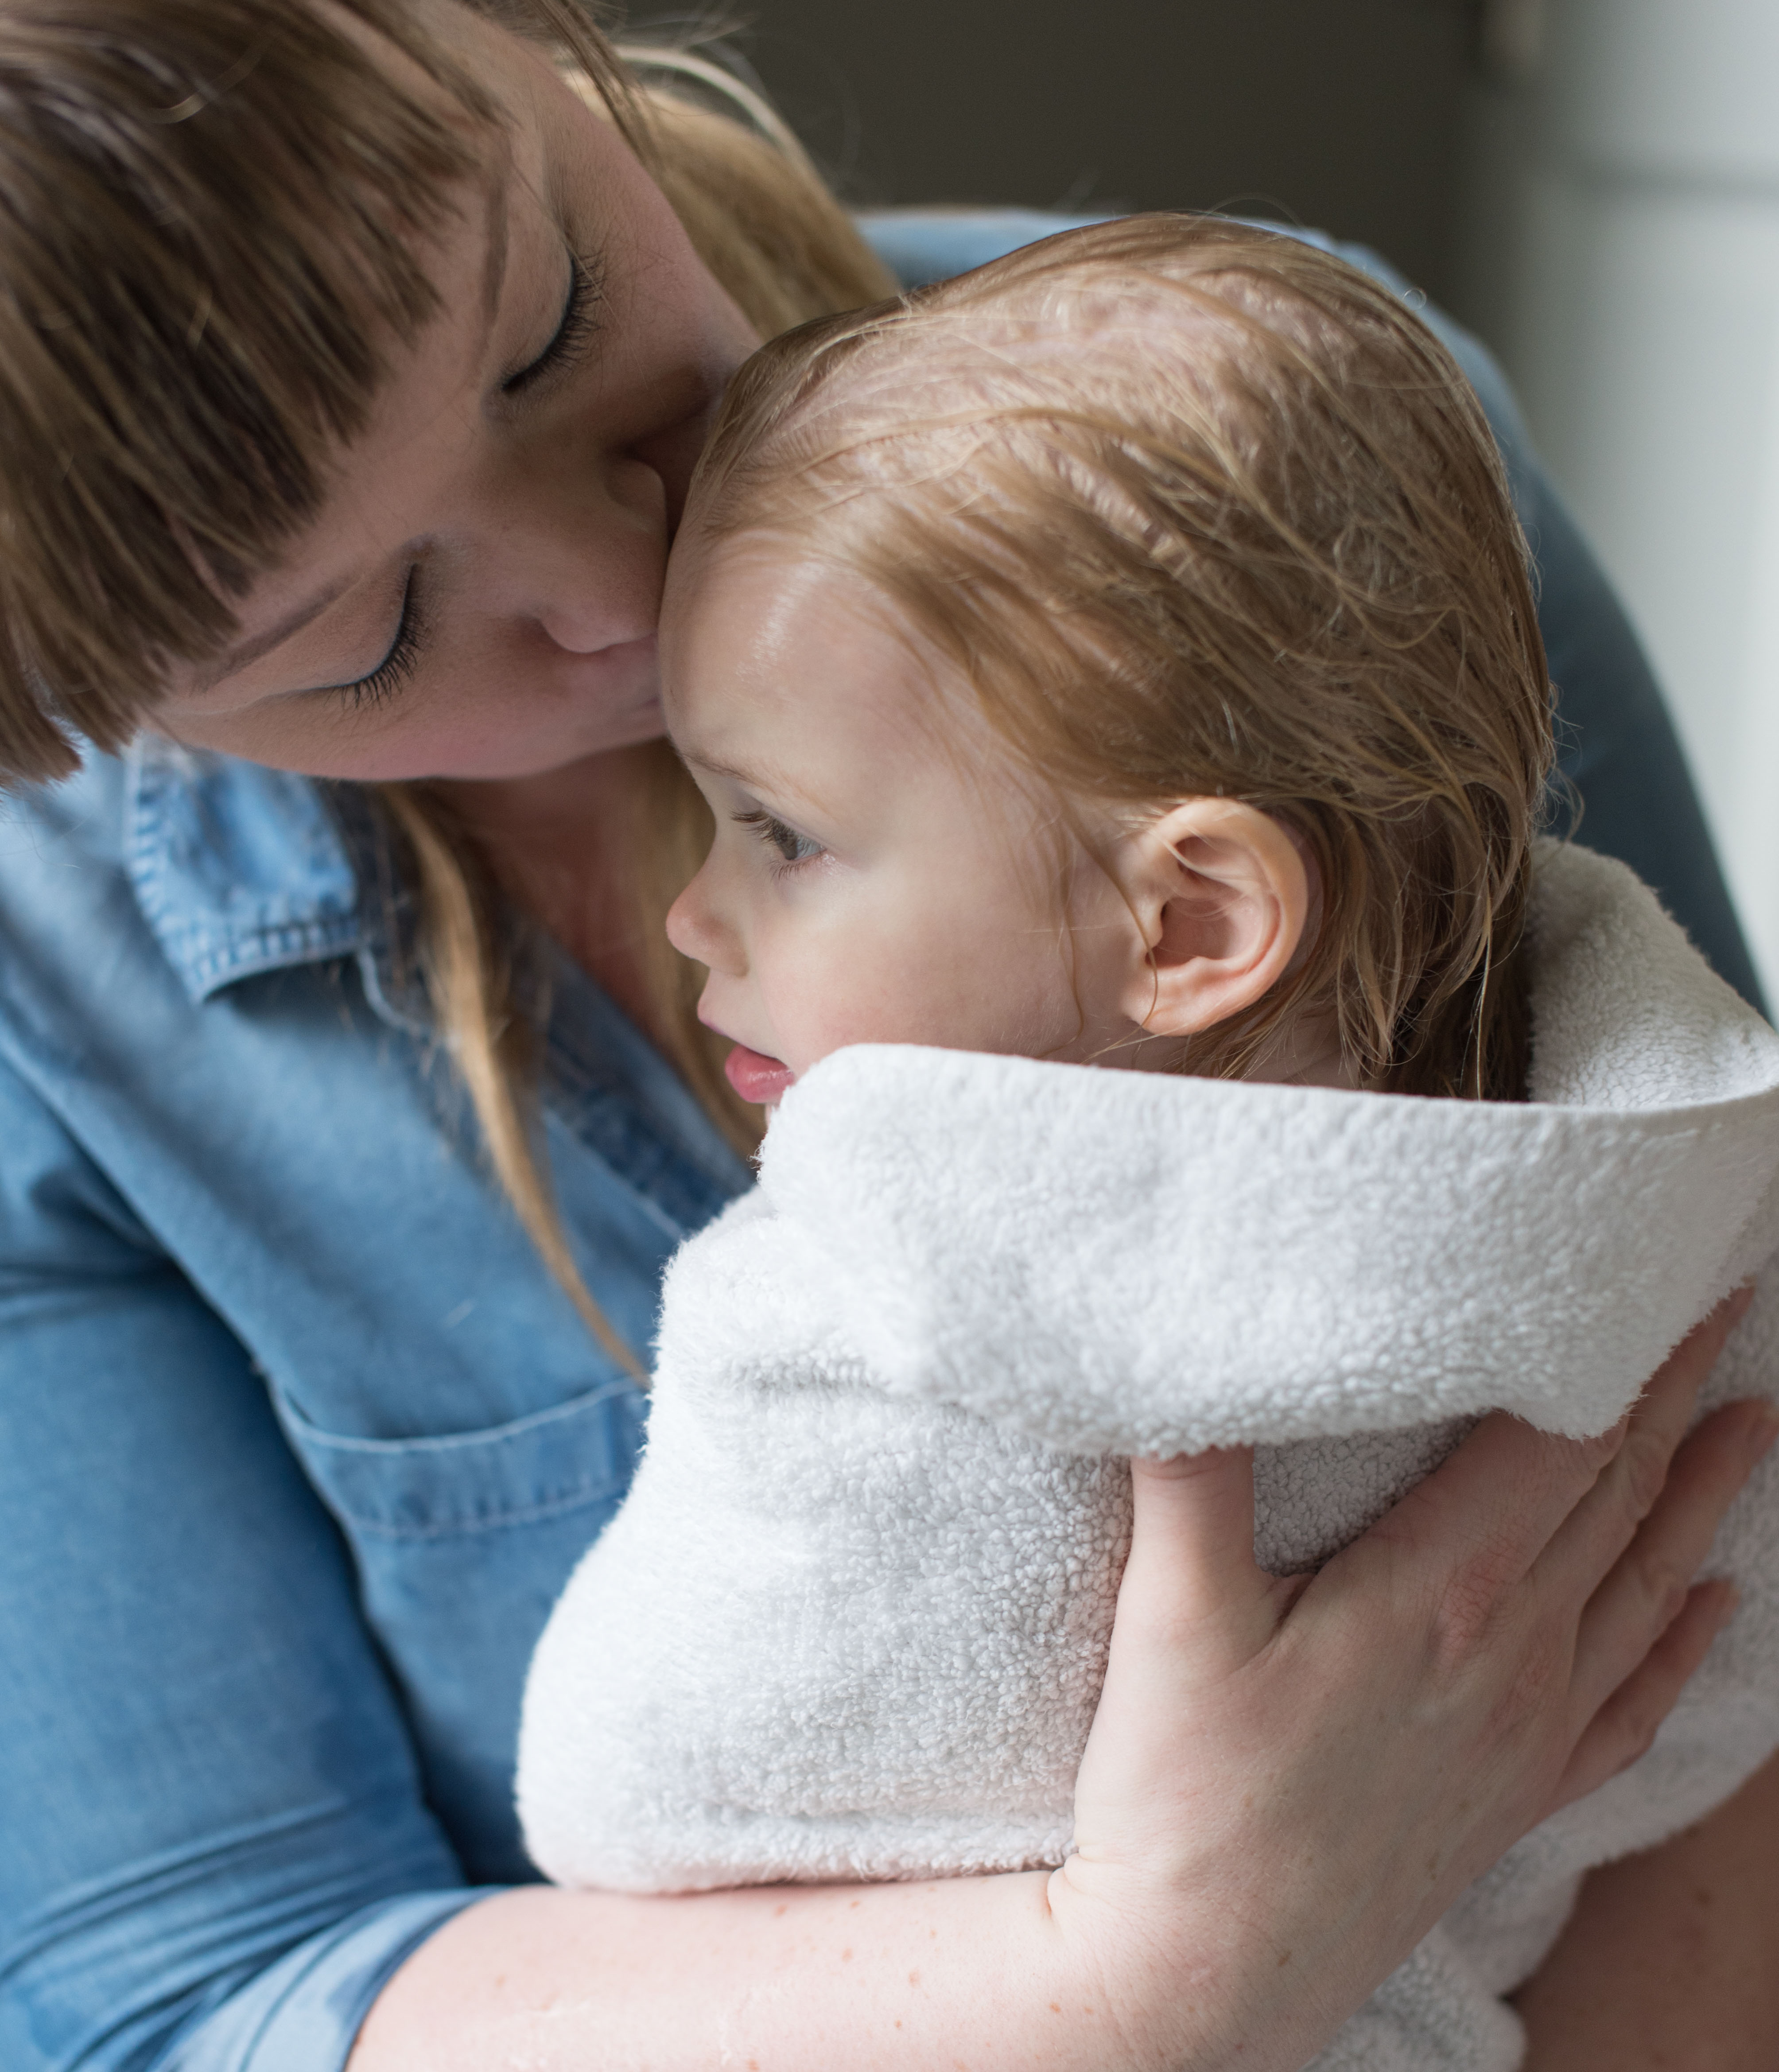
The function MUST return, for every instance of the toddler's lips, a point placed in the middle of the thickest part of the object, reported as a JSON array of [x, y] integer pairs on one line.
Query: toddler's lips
[[755, 1077]]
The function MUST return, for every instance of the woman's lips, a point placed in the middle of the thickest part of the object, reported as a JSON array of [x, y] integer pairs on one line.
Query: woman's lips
[[755, 1077]]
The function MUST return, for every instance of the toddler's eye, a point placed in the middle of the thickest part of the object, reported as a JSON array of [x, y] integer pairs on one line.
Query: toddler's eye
[[793, 847]]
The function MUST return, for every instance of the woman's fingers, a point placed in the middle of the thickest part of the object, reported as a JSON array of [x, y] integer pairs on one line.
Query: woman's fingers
[[1644, 1593], [1494, 1508], [1607, 1519], [1193, 1611], [1497, 1499], [1191, 1566], [1623, 1727], [1503, 1493]]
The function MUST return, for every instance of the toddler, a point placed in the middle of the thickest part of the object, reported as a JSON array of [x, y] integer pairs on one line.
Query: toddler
[[1124, 658]]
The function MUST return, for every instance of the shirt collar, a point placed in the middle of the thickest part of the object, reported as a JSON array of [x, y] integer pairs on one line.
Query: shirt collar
[[237, 868]]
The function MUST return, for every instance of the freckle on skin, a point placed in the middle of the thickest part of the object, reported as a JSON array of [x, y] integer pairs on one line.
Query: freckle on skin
[[846, 1956], [1284, 1960], [1054, 2008], [913, 1978], [783, 1906]]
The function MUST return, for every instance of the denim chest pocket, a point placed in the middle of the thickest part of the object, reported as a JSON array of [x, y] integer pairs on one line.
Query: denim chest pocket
[[461, 1544], [573, 1456]]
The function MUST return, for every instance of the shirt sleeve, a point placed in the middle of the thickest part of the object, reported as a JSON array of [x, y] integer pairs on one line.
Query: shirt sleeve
[[216, 1845], [1617, 744]]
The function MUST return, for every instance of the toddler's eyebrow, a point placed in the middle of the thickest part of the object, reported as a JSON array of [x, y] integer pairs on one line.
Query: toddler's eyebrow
[[763, 773], [760, 777]]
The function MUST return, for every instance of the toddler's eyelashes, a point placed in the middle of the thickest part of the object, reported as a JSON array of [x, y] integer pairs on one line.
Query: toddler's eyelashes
[[793, 848]]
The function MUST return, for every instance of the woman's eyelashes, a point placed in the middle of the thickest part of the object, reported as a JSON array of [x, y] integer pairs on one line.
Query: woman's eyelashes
[[391, 675], [574, 330], [793, 848]]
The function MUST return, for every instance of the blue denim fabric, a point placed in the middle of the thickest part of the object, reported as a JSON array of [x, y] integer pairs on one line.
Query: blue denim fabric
[[298, 1439]]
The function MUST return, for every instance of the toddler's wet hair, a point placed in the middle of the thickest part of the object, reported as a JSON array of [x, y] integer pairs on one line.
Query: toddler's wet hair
[[1197, 508]]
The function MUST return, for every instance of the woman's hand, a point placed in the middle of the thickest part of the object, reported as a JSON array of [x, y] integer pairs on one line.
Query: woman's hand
[[1286, 1785], [1322, 1765]]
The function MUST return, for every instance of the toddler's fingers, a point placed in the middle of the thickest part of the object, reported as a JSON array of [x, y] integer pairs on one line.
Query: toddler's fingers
[[1649, 1584], [1624, 1727]]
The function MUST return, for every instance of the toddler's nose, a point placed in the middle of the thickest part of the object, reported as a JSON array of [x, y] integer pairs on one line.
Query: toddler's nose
[[697, 930]]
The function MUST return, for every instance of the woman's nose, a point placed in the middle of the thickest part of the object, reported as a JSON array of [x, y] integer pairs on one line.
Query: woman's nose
[[586, 563]]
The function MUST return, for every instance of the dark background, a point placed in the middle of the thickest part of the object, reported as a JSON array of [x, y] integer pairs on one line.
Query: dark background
[[1344, 114]]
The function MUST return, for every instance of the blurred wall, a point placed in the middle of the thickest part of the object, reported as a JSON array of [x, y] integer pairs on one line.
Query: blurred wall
[[1341, 114], [1621, 250]]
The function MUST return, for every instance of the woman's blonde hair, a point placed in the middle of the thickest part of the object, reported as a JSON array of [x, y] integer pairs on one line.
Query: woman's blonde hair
[[1195, 508], [214, 222]]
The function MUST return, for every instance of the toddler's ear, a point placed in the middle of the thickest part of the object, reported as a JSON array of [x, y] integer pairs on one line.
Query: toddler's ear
[[1220, 892]]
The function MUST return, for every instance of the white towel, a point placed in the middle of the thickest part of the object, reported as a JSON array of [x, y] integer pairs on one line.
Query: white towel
[[852, 1619]]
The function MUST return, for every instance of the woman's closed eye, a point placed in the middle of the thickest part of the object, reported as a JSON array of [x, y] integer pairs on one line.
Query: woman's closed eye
[[792, 847], [391, 675], [574, 333]]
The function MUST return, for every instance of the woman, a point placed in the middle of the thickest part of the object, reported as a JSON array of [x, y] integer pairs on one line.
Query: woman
[[352, 369]]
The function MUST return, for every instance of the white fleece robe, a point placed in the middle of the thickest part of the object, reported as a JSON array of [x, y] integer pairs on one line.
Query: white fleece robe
[[852, 1621]]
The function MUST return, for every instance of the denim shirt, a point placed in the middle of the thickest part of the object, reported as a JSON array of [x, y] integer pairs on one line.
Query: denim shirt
[[298, 1440]]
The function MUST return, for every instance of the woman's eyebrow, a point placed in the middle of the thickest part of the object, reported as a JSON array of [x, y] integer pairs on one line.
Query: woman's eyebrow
[[494, 265], [257, 644]]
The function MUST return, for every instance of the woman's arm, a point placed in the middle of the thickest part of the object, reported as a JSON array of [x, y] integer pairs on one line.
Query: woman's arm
[[1670, 1961], [1267, 1820]]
